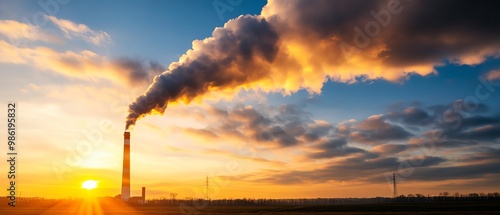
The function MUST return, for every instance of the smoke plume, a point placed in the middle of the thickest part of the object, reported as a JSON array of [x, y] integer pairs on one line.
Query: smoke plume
[[298, 44]]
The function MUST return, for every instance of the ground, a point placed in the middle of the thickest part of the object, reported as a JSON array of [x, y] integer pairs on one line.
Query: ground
[[111, 207]]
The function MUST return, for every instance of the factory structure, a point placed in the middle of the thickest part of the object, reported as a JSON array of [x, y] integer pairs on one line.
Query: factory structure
[[125, 194]]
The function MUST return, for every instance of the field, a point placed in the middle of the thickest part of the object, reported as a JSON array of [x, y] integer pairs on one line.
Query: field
[[87, 207]]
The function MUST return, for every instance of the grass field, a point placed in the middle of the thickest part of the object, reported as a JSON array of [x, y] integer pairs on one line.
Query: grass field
[[88, 207]]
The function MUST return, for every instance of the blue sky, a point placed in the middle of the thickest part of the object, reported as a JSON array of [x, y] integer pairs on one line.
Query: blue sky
[[162, 31]]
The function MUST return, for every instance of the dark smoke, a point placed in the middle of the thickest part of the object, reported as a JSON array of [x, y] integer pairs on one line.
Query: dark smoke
[[137, 72], [298, 44], [233, 56]]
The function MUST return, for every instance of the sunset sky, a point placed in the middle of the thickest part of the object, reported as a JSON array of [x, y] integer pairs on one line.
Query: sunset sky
[[269, 99]]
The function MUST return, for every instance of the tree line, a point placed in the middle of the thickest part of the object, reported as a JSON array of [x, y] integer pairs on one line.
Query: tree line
[[410, 198]]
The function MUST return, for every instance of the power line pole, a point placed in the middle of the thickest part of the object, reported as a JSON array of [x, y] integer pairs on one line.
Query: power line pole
[[395, 189], [207, 197]]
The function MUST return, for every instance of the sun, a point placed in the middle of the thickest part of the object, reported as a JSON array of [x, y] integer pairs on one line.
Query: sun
[[89, 184]]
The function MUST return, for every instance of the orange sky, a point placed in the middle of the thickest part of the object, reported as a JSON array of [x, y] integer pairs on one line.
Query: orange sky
[[286, 117]]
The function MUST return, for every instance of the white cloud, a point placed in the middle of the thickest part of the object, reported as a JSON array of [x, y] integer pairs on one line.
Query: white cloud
[[72, 29], [15, 30]]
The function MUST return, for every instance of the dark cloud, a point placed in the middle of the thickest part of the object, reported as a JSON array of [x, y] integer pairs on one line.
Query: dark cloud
[[334, 148], [341, 151], [281, 126], [483, 154], [455, 172], [275, 133], [373, 170], [411, 116], [444, 143], [424, 161], [350, 169], [290, 125], [458, 123], [428, 31], [376, 130], [471, 128], [457, 107], [478, 120], [249, 116], [366, 170], [323, 18], [317, 130], [296, 45], [484, 133]]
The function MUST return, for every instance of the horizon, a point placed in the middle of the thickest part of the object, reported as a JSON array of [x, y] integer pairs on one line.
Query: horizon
[[250, 99], [409, 195]]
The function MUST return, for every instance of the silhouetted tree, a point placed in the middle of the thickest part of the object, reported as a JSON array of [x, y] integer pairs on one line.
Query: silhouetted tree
[[173, 196]]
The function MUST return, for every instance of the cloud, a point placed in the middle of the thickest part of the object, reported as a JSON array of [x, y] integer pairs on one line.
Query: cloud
[[398, 34], [85, 64], [372, 170], [483, 154], [335, 152], [72, 29], [349, 169], [375, 129], [333, 148], [457, 30], [253, 158], [290, 125], [485, 133], [317, 130], [280, 127], [205, 133], [288, 48], [15, 30], [424, 161], [411, 116], [493, 75], [449, 125], [466, 127], [268, 126], [456, 172], [389, 149], [424, 141]]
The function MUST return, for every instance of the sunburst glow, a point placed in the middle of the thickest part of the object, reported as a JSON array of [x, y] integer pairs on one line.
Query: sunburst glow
[[89, 184]]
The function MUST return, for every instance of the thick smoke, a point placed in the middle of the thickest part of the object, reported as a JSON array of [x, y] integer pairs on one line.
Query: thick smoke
[[297, 45], [136, 72], [237, 54]]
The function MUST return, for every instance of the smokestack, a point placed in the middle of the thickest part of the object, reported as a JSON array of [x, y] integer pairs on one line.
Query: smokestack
[[126, 167], [143, 195]]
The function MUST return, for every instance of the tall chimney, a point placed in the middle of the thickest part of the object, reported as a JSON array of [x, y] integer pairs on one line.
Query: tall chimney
[[126, 167], [143, 195]]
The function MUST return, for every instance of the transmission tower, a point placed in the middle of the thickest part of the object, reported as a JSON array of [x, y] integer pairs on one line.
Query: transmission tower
[[207, 196], [395, 188]]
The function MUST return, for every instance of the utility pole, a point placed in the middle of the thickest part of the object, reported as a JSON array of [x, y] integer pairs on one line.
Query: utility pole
[[207, 196], [395, 189]]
